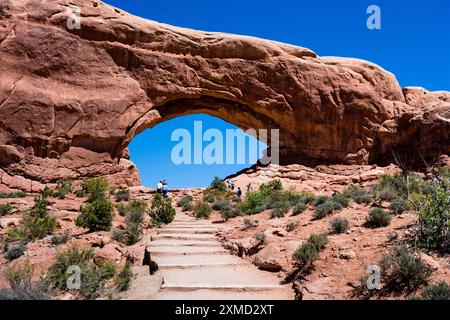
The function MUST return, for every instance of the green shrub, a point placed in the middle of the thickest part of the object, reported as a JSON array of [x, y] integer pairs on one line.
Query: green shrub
[[359, 195], [17, 194], [96, 216], [121, 209], [161, 210], [398, 205], [79, 193], [93, 274], [5, 209], [64, 187], [46, 193], [273, 185], [340, 198], [185, 200], [220, 205], [307, 198], [202, 210], [299, 208], [209, 198], [230, 213], [261, 237], [14, 252], [291, 226], [95, 188], [324, 209], [439, 291], [60, 239], [318, 240], [188, 207], [21, 287], [392, 236], [339, 225], [122, 195], [398, 185], [320, 200], [377, 218], [434, 209], [133, 220], [124, 278], [403, 270], [248, 224], [279, 209], [218, 184], [309, 251]]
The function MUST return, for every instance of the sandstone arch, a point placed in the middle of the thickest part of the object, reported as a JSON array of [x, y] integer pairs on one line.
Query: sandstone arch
[[71, 100]]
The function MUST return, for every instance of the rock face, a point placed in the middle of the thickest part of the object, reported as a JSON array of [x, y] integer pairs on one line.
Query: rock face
[[72, 99]]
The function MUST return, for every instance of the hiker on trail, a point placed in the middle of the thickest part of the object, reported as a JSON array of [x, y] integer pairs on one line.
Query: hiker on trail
[[159, 187], [239, 192], [232, 185], [249, 188], [165, 190]]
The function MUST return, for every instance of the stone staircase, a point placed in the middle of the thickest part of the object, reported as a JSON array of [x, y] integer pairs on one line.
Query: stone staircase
[[194, 265]]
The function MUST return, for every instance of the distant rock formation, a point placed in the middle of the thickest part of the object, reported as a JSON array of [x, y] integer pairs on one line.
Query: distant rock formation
[[71, 100]]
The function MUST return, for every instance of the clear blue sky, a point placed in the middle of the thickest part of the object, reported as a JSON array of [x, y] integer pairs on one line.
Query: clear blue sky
[[413, 43]]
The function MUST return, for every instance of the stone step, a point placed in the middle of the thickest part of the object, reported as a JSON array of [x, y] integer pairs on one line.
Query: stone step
[[237, 287], [199, 259], [181, 267], [184, 236], [185, 250], [186, 243], [192, 230], [214, 294]]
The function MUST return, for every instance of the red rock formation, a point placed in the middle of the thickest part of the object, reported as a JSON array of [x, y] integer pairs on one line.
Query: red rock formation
[[71, 100]]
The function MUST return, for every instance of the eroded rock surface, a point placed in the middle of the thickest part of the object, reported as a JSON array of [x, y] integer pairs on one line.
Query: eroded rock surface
[[72, 99]]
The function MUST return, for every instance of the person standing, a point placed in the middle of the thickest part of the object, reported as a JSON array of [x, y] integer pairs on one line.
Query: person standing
[[165, 190], [159, 187], [249, 188], [239, 192]]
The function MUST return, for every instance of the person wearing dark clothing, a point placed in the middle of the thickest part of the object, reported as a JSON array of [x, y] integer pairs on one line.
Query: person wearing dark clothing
[[239, 192]]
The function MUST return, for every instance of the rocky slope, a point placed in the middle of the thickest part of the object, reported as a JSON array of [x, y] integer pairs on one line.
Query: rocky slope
[[72, 99]]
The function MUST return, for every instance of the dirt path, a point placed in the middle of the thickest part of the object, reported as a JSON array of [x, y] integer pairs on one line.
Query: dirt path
[[194, 265]]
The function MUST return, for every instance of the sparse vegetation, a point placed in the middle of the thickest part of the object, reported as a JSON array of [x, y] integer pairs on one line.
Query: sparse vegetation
[[122, 195], [161, 210], [64, 187], [359, 195], [280, 209], [60, 238], [308, 252], [95, 188], [439, 291], [16, 194], [377, 218], [339, 225], [185, 203], [323, 209], [202, 210], [218, 184], [96, 216], [5, 209], [398, 205], [320, 200], [121, 209], [133, 220], [14, 251], [248, 224], [261, 237], [93, 274], [291, 226], [299, 208], [124, 277]]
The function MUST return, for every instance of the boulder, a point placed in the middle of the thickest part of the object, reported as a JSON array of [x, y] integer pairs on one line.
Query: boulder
[[268, 259]]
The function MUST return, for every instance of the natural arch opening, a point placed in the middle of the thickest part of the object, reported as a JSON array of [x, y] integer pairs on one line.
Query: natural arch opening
[[159, 152]]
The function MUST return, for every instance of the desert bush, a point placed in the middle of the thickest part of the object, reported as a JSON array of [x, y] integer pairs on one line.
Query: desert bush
[[248, 223], [357, 194], [19, 278], [202, 210], [339, 225], [60, 238], [124, 277], [16, 194], [133, 220], [398, 185], [308, 252], [291, 226], [209, 198], [261, 237], [403, 271], [185, 200], [188, 207], [64, 187], [218, 184], [136, 210], [122, 195], [377, 218], [434, 208], [95, 188], [320, 200], [230, 213], [96, 216], [299, 208], [14, 252], [161, 210], [79, 193], [273, 185], [307, 197], [220, 205], [438, 291], [398, 205], [121, 209], [279, 209], [392, 236], [5, 209], [93, 274], [340, 198], [47, 192], [324, 209]]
